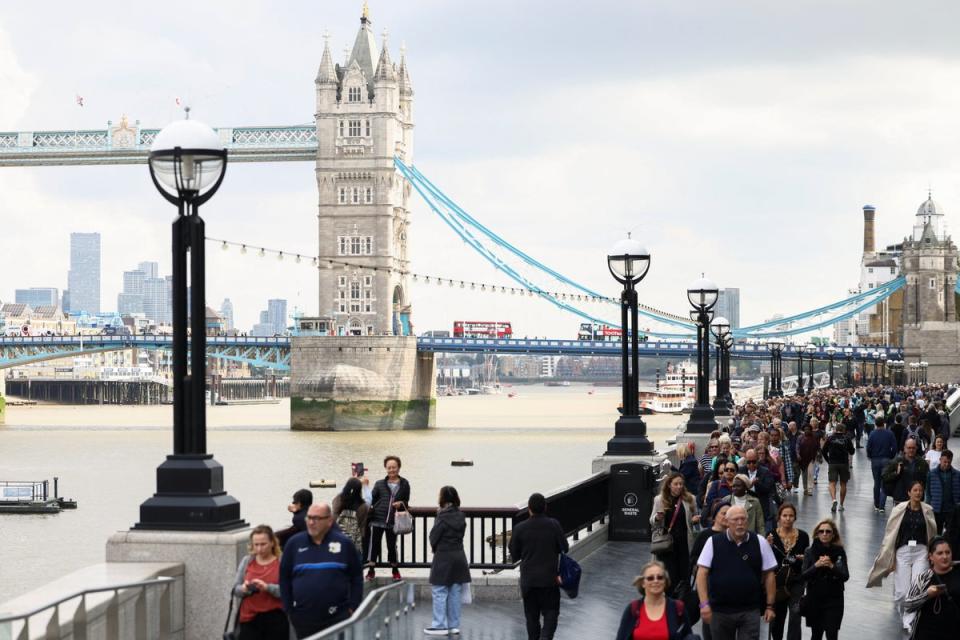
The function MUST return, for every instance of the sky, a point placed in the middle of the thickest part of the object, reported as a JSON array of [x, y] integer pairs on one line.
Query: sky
[[738, 139]]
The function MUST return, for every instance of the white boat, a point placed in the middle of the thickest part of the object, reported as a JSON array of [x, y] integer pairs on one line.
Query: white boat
[[676, 392], [490, 389]]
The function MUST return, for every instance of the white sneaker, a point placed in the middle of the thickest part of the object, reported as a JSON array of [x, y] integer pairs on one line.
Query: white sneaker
[[455, 631], [434, 631]]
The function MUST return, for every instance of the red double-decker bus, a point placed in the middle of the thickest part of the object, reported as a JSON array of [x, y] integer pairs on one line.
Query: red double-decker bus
[[481, 329], [592, 331]]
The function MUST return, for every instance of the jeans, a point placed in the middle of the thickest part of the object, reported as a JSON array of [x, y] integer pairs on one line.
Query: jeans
[[446, 606], [537, 602], [879, 497], [741, 625]]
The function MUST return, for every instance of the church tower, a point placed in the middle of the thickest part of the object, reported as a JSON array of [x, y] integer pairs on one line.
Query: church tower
[[364, 118]]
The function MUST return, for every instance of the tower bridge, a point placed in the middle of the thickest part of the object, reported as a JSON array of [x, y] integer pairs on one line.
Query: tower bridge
[[361, 142]]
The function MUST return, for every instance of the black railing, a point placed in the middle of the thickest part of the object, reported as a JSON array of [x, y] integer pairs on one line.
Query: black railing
[[577, 507]]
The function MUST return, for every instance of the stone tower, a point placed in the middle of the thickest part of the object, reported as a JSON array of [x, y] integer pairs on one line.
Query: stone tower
[[931, 332], [364, 118]]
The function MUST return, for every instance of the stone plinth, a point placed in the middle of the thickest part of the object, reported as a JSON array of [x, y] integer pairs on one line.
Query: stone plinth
[[936, 343], [357, 383], [210, 563], [603, 463]]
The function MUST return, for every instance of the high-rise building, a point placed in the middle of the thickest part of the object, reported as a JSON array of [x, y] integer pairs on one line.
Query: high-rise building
[[728, 306], [38, 296], [156, 300], [226, 312], [83, 279], [277, 314], [149, 269], [364, 118]]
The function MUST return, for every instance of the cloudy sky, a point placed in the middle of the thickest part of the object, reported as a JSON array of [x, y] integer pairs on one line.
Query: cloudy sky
[[737, 138]]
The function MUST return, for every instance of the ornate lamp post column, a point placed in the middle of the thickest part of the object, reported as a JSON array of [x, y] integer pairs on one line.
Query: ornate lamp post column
[[864, 374], [702, 294], [810, 349], [628, 263], [831, 351], [776, 367], [848, 353], [924, 369], [800, 390], [728, 342], [883, 368], [720, 329], [187, 164], [875, 355]]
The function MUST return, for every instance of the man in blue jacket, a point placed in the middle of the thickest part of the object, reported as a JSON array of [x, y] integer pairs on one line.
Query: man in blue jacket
[[943, 489], [881, 448], [321, 580]]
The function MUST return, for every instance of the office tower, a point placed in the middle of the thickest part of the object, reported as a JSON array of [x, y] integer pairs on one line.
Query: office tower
[[728, 306], [149, 269], [226, 311], [277, 315], [83, 279], [38, 296]]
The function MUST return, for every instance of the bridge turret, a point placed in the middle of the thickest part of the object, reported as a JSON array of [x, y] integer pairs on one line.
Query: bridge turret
[[327, 81], [385, 85]]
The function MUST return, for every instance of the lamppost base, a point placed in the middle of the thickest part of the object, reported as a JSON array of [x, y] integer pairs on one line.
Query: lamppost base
[[190, 497], [720, 408], [630, 438], [702, 419]]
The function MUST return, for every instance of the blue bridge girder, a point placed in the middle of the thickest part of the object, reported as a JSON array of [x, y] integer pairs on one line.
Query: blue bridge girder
[[272, 353]]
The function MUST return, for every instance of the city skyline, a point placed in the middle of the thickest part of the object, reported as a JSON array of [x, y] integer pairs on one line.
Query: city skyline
[[740, 142]]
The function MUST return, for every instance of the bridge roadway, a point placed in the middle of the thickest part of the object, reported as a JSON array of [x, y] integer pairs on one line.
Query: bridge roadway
[[274, 352], [607, 573]]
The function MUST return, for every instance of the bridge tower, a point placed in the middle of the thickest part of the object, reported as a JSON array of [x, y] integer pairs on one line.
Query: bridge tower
[[369, 374], [931, 332], [364, 118]]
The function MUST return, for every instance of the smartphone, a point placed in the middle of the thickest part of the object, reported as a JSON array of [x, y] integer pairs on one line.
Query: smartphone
[[357, 468]]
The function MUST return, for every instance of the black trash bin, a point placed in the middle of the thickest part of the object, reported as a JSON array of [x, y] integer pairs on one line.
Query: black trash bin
[[632, 486]]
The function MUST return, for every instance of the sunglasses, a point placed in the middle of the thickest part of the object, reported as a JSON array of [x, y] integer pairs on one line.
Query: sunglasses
[[729, 469], [656, 578], [825, 532], [751, 462]]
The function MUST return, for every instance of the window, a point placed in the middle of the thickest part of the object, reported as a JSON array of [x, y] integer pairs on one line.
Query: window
[[342, 281], [368, 195], [368, 128], [344, 247], [367, 307], [356, 195], [368, 246], [893, 270], [368, 295], [933, 283], [354, 128], [368, 281], [355, 245], [870, 270], [353, 94], [341, 128], [342, 307], [343, 195]]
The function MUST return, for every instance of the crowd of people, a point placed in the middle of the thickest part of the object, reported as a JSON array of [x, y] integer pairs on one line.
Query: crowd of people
[[749, 562], [727, 550]]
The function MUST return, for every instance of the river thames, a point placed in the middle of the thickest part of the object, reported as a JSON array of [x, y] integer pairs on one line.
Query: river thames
[[106, 457]]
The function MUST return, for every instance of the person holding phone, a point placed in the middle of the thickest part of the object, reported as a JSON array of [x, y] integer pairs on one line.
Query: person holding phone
[[825, 570], [257, 585], [934, 598], [389, 495]]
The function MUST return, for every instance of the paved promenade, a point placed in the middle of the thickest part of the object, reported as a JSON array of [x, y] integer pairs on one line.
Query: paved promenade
[[608, 572]]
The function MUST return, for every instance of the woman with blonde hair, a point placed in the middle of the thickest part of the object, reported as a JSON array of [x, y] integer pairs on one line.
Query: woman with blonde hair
[[257, 585], [654, 615], [674, 513]]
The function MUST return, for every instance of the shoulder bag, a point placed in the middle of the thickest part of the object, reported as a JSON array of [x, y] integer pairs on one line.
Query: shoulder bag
[[402, 522], [234, 633], [661, 541]]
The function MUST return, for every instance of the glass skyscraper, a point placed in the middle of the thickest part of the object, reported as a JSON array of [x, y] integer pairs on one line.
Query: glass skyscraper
[[728, 306], [38, 296], [83, 279]]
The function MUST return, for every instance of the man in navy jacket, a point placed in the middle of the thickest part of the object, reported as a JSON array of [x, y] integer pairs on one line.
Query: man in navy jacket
[[943, 489], [881, 448], [321, 580]]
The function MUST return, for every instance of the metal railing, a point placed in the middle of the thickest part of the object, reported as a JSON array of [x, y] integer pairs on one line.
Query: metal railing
[[146, 624], [578, 507], [383, 614]]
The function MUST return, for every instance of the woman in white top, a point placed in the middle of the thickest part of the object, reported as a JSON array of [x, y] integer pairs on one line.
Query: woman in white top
[[933, 455]]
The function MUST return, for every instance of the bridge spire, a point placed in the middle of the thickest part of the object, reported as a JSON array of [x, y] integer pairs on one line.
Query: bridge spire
[[403, 75], [327, 73], [385, 68]]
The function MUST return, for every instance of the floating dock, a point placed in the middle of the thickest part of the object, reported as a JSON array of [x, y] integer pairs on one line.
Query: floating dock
[[32, 497]]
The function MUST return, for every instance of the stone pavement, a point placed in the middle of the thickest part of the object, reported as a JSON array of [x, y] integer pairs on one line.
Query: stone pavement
[[608, 572]]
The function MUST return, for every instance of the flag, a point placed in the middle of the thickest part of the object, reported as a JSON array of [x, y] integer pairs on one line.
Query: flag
[[79, 100], [177, 100]]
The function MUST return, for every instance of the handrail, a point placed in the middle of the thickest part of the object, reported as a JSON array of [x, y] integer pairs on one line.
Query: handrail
[[366, 608], [79, 594]]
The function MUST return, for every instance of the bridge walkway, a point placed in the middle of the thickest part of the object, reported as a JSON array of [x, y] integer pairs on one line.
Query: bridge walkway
[[608, 572]]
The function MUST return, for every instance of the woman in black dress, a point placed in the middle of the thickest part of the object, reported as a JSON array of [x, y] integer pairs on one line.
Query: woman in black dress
[[825, 570], [789, 544]]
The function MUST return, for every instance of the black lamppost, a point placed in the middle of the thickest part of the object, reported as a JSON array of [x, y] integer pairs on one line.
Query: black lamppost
[[776, 363], [912, 377], [800, 370], [876, 359], [831, 351], [864, 373], [924, 369], [628, 263], [883, 368], [810, 348], [848, 353], [720, 329], [728, 341], [187, 164], [702, 295]]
